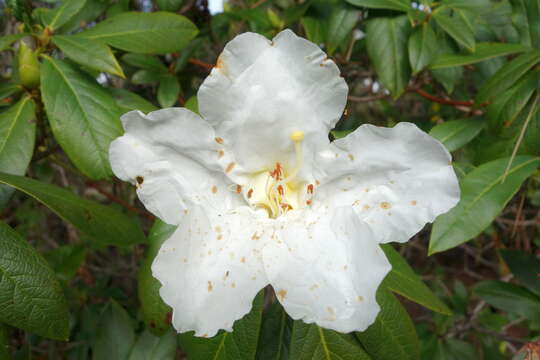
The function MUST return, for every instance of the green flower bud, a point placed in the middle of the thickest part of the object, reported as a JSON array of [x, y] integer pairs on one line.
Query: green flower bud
[[28, 66]]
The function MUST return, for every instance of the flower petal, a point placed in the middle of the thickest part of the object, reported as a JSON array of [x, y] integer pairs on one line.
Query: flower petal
[[211, 269], [326, 268], [174, 159], [397, 179], [262, 91]]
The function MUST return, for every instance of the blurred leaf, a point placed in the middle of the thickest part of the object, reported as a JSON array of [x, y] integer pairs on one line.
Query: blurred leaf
[[120, 6], [456, 133], [17, 138], [473, 5], [457, 26], [510, 298], [340, 24], [311, 342], [387, 48], [423, 47], [483, 51], [145, 77], [525, 267], [31, 297], [400, 5], [83, 116], [57, 17], [168, 91], [151, 347], [448, 77], [89, 12], [7, 89], [104, 224], [169, 5], [483, 196], [240, 344], [192, 104], [392, 336], [454, 349], [404, 281], [507, 76], [156, 314], [316, 29], [275, 334], [89, 53], [66, 260], [5, 352], [127, 101], [144, 61], [116, 335], [7, 40], [525, 18], [147, 33]]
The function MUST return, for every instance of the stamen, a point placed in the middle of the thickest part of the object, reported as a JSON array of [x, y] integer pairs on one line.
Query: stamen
[[238, 189], [310, 189], [249, 193], [280, 190]]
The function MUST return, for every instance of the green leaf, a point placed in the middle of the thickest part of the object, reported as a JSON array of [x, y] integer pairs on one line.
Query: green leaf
[[393, 335], [311, 342], [483, 196], [83, 116], [192, 104], [507, 76], [104, 224], [340, 24], [127, 101], [169, 5], [448, 77], [66, 260], [316, 29], [7, 89], [89, 53], [5, 351], [457, 26], [525, 18], [405, 282], [116, 335], [17, 138], [275, 334], [240, 344], [400, 5], [168, 91], [387, 47], [31, 297], [151, 347], [146, 33], [456, 133], [484, 51], [524, 266], [7, 40], [510, 298], [145, 77], [89, 13], [144, 61], [62, 14], [156, 314], [423, 47], [473, 5]]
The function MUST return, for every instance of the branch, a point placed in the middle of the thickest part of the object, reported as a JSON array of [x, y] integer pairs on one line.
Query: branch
[[367, 98], [200, 63], [441, 100]]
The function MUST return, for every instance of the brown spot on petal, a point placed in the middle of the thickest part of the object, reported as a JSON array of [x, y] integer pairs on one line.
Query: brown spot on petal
[[220, 154], [243, 259], [282, 294], [218, 140], [366, 207], [360, 298], [214, 189], [255, 236], [229, 168], [218, 229], [210, 286], [351, 156], [413, 202], [139, 180], [220, 237], [385, 205], [233, 285]]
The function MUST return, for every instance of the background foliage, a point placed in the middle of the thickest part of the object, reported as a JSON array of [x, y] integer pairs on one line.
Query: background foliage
[[76, 246]]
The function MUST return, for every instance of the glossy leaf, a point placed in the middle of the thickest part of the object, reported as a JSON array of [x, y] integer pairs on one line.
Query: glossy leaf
[[144, 61], [457, 26], [400, 5], [405, 282], [525, 267], [90, 53], [116, 335], [423, 47], [169, 5], [483, 51], [311, 342], [483, 196], [57, 17], [448, 77], [387, 47], [83, 116], [104, 224], [151, 347], [393, 335], [525, 18], [507, 76], [31, 297], [168, 91], [454, 134], [17, 138], [240, 344], [147, 33], [511, 298], [156, 314], [275, 334], [340, 24], [127, 101]]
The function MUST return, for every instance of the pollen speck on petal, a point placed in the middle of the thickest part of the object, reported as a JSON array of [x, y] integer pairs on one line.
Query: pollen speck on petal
[[210, 286], [413, 202], [214, 189], [229, 167], [282, 294], [386, 205], [219, 140]]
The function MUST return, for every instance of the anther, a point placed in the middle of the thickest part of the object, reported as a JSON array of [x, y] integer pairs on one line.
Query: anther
[[249, 193], [238, 189], [297, 136], [280, 190], [310, 189]]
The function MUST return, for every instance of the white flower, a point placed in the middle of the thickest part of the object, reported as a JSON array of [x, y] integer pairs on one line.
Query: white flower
[[261, 196]]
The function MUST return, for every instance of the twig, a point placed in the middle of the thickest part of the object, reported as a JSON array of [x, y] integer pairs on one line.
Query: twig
[[441, 100], [200, 63], [367, 98]]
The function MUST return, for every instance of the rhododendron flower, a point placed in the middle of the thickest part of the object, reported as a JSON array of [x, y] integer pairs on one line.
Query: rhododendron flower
[[261, 196]]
